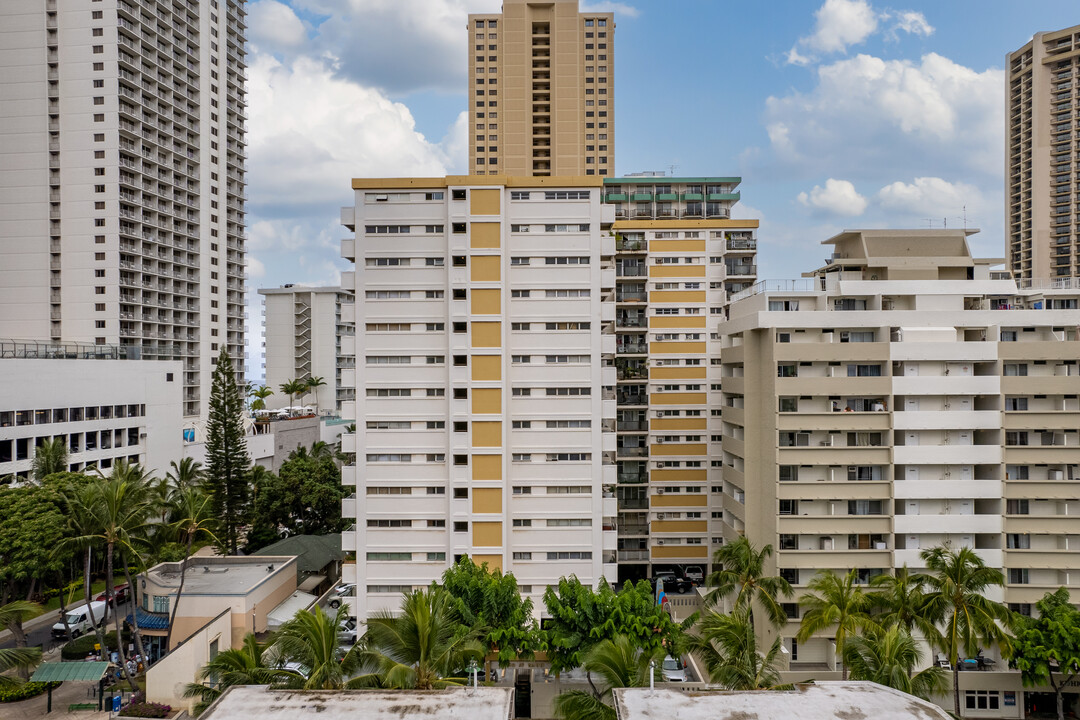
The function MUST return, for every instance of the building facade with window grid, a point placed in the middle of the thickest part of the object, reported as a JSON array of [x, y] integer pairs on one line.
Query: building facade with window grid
[[904, 396]]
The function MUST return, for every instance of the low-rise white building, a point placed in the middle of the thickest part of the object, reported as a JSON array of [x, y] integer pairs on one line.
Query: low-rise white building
[[104, 406]]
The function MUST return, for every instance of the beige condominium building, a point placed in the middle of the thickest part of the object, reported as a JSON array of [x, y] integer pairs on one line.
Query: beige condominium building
[[485, 382], [542, 90], [903, 396], [1042, 180], [679, 256], [122, 179], [304, 332]]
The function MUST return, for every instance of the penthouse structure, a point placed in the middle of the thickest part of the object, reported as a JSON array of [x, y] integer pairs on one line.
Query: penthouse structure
[[903, 396]]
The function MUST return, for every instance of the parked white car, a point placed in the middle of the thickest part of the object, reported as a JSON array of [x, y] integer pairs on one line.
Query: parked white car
[[78, 619], [673, 669], [343, 594]]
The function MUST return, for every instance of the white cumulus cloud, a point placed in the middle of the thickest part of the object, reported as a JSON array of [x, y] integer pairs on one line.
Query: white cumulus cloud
[[912, 22], [608, 6], [931, 197], [838, 197], [840, 23], [275, 25]]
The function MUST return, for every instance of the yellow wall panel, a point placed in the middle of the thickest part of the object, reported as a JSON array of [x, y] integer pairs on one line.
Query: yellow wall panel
[[487, 434], [486, 269], [487, 400], [679, 449], [486, 301], [662, 526], [677, 296], [691, 475], [673, 271], [677, 398], [488, 367], [494, 561], [674, 348], [677, 373], [487, 467], [678, 424], [484, 236], [487, 534], [668, 552], [489, 334], [484, 202], [487, 500], [677, 321]]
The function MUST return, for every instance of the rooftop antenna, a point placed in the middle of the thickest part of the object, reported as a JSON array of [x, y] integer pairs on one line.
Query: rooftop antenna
[[965, 216], [929, 222], [673, 166]]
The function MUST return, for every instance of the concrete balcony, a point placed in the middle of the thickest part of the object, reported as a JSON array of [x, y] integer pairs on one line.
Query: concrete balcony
[[815, 524], [946, 488], [946, 385], [947, 454], [348, 539], [953, 524], [947, 420]]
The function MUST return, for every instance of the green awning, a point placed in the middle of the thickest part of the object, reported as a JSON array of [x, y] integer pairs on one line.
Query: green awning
[[71, 671]]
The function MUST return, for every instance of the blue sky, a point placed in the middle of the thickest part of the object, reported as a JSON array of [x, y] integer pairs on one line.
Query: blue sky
[[837, 114]]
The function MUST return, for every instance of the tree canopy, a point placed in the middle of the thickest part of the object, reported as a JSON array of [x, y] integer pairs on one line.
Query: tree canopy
[[1047, 649]]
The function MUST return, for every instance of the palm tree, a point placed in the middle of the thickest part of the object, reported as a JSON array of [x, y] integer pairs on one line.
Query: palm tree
[[194, 517], [314, 383], [187, 473], [260, 394], [957, 581], [83, 534], [51, 456], [835, 602], [422, 646], [888, 657], [741, 570], [250, 664], [21, 659], [620, 663], [727, 645], [311, 639], [900, 599], [292, 388]]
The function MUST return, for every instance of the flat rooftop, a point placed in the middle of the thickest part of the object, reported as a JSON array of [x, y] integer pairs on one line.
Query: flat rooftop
[[849, 700], [259, 701], [221, 575]]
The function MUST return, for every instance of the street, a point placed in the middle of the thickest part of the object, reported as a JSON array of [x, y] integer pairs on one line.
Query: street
[[42, 636]]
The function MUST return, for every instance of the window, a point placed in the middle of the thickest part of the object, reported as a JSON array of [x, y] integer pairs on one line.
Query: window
[[1016, 369], [788, 473], [522, 522], [787, 370], [789, 542], [864, 370], [461, 526], [519, 194], [789, 507], [461, 493], [1017, 507], [1018, 541], [567, 195], [523, 556], [389, 556], [388, 523], [569, 555], [1016, 403]]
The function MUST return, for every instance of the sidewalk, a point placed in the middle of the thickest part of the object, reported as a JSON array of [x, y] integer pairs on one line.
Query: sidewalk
[[63, 696]]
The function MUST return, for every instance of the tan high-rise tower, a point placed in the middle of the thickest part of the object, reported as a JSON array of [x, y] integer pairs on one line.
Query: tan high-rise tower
[[541, 79], [1040, 170]]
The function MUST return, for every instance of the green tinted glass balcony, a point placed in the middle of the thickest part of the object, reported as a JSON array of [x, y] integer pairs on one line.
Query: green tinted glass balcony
[[667, 196], [691, 196], [641, 197], [615, 197], [713, 197]]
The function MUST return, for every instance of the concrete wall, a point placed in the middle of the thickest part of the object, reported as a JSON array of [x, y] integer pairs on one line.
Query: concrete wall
[[166, 680]]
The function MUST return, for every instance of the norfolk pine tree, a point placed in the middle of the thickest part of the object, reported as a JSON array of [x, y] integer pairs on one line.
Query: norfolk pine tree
[[227, 461]]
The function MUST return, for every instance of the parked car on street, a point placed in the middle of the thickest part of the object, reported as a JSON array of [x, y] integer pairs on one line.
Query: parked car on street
[[694, 574], [121, 594], [78, 619]]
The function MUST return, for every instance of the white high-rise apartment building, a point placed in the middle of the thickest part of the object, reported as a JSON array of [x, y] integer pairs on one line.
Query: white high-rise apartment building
[[485, 382], [122, 178], [903, 396], [305, 333]]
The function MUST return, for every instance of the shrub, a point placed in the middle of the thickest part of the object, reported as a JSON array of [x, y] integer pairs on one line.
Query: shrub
[[145, 710], [25, 691], [83, 645]]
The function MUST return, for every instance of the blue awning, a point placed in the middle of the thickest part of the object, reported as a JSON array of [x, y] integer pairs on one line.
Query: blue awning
[[150, 621]]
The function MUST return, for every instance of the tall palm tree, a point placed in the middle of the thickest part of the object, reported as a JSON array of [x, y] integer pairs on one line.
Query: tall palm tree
[[292, 388], [957, 581], [194, 517], [422, 646], [21, 659], [741, 570], [619, 663], [835, 601], [51, 456], [250, 664], [260, 394], [889, 657], [84, 527], [314, 383], [186, 473], [311, 639], [900, 599], [727, 646]]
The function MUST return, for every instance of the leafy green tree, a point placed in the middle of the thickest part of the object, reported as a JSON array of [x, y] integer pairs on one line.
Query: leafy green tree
[[1049, 646], [227, 460], [303, 499], [581, 617], [727, 646], [250, 664], [423, 646], [23, 658], [619, 663], [311, 639], [50, 456], [194, 519], [957, 582], [835, 602], [889, 656], [491, 601], [741, 571], [33, 524], [900, 598]]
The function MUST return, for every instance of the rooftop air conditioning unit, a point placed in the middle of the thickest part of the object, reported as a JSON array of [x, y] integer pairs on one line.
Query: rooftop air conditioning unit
[[659, 542]]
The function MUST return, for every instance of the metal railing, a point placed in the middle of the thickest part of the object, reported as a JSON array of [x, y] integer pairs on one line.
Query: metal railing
[[66, 350]]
